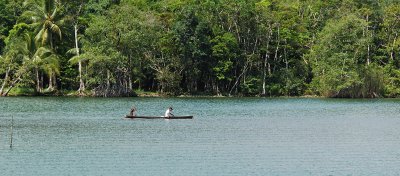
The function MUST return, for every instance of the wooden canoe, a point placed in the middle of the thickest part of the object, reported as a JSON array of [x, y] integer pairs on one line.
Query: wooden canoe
[[158, 117]]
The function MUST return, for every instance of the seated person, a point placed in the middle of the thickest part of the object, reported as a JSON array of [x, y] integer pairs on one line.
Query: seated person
[[168, 113], [133, 111]]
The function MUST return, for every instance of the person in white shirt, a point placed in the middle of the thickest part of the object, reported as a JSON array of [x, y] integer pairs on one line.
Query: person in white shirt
[[168, 113], [133, 111]]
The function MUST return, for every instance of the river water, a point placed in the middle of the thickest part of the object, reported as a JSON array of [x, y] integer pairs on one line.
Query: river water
[[228, 136]]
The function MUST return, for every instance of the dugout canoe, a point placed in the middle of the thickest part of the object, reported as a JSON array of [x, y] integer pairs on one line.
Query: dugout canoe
[[158, 117]]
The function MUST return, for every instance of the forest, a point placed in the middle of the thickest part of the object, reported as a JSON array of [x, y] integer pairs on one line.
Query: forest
[[106, 48]]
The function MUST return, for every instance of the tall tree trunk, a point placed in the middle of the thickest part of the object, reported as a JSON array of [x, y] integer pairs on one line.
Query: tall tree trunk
[[277, 46], [392, 50], [108, 83], [38, 89], [54, 81], [368, 60], [287, 69], [81, 82], [265, 64], [218, 92], [130, 86], [50, 88], [265, 74], [41, 82], [368, 48]]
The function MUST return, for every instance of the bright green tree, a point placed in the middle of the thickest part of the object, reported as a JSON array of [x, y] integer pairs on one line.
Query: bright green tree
[[338, 59]]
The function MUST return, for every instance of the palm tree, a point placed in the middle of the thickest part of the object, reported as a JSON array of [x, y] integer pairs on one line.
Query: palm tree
[[38, 59], [44, 59], [43, 16], [52, 67]]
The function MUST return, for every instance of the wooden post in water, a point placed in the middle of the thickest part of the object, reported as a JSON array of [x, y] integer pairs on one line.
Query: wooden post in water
[[12, 125]]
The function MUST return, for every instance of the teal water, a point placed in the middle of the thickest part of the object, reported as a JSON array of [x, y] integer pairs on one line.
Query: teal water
[[228, 136]]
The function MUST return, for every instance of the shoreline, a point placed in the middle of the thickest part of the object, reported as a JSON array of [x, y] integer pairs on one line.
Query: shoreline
[[141, 94], [157, 95]]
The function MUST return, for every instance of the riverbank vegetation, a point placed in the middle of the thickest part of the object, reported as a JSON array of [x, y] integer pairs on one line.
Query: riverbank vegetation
[[335, 48]]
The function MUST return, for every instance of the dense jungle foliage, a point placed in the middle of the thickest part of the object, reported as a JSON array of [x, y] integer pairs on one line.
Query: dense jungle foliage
[[333, 48]]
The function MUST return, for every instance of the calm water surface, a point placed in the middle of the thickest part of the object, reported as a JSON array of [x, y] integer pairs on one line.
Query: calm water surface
[[228, 136]]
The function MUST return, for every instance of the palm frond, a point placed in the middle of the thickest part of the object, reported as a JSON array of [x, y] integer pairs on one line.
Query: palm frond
[[30, 44], [55, 29], [39, 9], [37, 61], [45, 36], [35, 7], [42, 52], [72, 51], [39, 35], [62, 21], [48, 6], [74, 60], [26, 59], [52, 63], [53, 15]]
